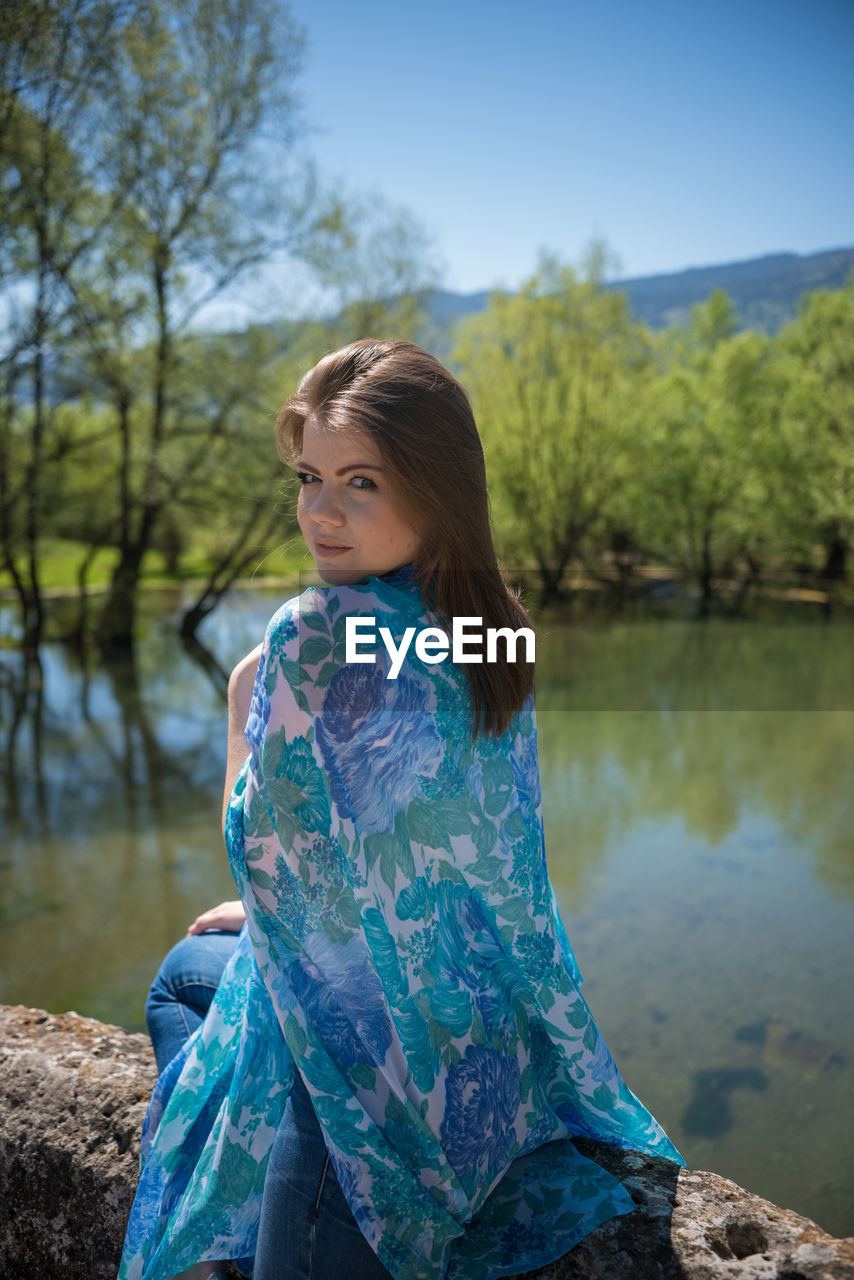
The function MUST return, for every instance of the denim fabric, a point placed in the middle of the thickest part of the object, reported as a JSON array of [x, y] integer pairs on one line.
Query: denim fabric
[[183, 989], [306, 1231]]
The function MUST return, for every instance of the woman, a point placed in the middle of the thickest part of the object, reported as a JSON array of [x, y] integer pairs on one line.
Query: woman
[[397, 1057]]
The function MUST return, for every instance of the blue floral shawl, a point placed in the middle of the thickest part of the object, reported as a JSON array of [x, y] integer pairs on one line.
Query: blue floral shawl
[[404, 952]]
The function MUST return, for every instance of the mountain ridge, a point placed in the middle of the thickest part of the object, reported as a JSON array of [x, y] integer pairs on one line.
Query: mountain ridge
[[765, 290]]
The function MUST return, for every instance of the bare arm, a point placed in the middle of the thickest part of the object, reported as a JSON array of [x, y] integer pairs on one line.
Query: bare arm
[[240, 686], [229, 916]]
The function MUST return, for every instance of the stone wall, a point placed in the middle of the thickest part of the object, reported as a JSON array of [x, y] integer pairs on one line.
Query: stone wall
[[73, 1094]]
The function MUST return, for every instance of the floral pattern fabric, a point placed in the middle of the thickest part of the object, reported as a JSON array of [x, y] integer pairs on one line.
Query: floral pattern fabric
[[404, 951]]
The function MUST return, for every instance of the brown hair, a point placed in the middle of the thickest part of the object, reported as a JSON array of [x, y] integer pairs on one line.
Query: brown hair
[[421, 421]]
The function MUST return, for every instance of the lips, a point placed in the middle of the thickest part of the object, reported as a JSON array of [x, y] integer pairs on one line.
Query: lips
[[330, 548]]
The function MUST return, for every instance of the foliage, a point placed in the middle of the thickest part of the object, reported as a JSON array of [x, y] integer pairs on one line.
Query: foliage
[[149, 160], [725, 454], [815, 358], [707, 458], [55, 67], [553, 373]]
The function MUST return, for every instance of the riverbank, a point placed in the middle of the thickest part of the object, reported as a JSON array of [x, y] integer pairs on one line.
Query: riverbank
[[657, 584]]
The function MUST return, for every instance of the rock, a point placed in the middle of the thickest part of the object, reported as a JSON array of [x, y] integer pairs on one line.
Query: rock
[[73, 1094], [697, 1226]]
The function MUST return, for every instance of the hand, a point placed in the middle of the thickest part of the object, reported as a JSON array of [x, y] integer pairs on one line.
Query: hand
[[228, 916]]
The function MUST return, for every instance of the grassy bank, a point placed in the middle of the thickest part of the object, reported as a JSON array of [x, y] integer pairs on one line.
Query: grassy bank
[[60, 561]]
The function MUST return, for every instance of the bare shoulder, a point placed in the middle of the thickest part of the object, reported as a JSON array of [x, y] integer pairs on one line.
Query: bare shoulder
[[250, 662]]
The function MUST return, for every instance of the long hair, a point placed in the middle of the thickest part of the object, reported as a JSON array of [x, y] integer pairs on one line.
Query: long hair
[[420, 419]]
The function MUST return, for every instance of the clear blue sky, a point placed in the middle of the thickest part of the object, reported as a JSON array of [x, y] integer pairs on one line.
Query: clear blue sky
[[685, 133]]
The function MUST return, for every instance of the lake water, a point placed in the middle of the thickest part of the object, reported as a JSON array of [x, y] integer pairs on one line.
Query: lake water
[[698, 798]]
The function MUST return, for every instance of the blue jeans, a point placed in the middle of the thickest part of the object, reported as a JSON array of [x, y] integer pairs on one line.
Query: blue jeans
[[182, 992], [307, 1230]]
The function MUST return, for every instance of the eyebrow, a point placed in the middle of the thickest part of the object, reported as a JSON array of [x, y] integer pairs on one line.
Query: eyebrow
[[351, 466]]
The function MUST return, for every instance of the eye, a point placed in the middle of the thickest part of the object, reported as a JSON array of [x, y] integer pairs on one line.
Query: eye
[[363, 482], [305, 476]]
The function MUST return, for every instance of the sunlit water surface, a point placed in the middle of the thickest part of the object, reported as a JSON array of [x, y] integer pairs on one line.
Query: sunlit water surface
[[698, 798]]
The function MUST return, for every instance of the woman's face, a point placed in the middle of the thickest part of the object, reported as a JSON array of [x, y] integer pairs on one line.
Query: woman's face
[[352, 522]]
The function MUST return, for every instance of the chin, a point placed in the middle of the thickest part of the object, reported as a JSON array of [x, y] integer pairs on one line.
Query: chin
[[341, 577]]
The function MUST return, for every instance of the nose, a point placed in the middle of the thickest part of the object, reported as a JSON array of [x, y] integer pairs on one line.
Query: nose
[[325, 507]]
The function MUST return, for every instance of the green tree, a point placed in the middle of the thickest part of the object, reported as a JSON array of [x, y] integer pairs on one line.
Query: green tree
[[554, 373], [375, 265], [236, 499], [141, 183], [198, 85], [815, 355], [705, 457], [57, 60]]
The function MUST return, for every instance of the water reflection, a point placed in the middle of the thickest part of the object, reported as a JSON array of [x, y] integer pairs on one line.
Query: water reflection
[[697, 794], [707, 768], [112, 795], [709, 1114], [786, 662]]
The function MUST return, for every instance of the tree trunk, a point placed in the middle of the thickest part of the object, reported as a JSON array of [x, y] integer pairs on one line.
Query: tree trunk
[[707, 595], [836, 561], [749, 580], [215, 671], [33, 610], [550, 579], [115, 629], [76, 636], [116, 624], [20, 688], [229, 568]]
